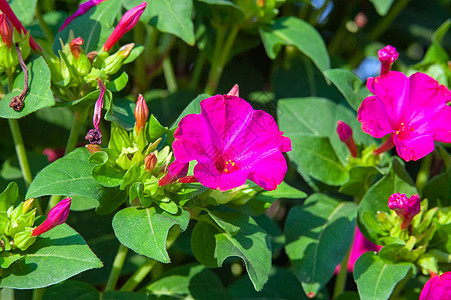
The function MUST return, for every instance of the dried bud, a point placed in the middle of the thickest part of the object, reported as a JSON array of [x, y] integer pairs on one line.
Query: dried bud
[[57, 216], [91, 56], [27, 205], [75, 46], [94, 136], [127, 22], [141, 113], [150, 161], [16, 103], [387, 57], [234, 91], [92, 148], [405, 208], [176, 170], [6, 30], [344, 132]]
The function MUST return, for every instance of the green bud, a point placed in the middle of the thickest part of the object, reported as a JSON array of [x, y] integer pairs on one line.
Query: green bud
[[23, 240], [19, 223], [83, 65], [114, 62], [125, 159], [427, 220], [428, 262], [385, 220], [95, 74]]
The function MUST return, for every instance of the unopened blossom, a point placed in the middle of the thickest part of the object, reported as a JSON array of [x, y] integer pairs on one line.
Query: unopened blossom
[[94, 136], [412, 110], [126, 23], [57, 216], [6, 30], [75, 46], [6, 9], [82, 9], [437, 288], [141, 113], [176, 170], [387, 57], [344, 132], [234, 91], [405, 208], [150, 161], [231, 143]]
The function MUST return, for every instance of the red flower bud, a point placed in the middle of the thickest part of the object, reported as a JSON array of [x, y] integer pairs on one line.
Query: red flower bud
[[344, 132], [6, 30], [82, 9], [141, 113], [150, 161], [176, 171], [127, 22], [387, 57], [188, 179], [57, 216], [75, 46]]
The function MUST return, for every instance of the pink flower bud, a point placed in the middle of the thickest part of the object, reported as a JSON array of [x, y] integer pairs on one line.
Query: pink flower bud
[[176, 170], [6, 9], [75, 46], [405, 208], [235, 91], [6, 30], [344, 132], [127, 22], [57, 216], [437, 288], [141, 113], [82, 9], [150, 161], [188, 179], [94, 136], [387, 57]]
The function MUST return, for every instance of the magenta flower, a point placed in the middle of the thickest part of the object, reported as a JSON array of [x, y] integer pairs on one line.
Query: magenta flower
[[176, 170], [57, 216], [94, 136], [82, 9], [411, 109], [387, 57], [405, 208], [231, 143], [126, 23], [344, 132], [437, 288], [6, 9]]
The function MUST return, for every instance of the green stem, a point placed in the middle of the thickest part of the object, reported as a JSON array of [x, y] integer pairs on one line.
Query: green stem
[[197, 72], [74, 132], [38, 293], [117, 267], [340, 282], [20, 150], [7, 294], [424, 172], [169, 75], [45, 28]]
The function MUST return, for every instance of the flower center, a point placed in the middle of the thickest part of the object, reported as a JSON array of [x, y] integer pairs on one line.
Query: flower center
[[404, 130], [226, 166]]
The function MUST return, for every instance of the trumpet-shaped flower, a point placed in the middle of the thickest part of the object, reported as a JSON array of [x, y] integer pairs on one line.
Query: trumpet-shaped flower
[[176, 170], [82, 9], [405, 208], [411, 109], [57, 216], [437, 288], [231, 143]]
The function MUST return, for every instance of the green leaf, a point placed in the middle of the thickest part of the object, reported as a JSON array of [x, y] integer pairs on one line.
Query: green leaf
[[173, 16], [292, 31], [39, 94], [348, 84], [438, 189], [119, 295], [122, 113], [382, 6], [154, 128], [376, 278], [55, 256], [105, 172], [192, 108], [360, 180], [10, 196], [191, 281], [150, 230], [220, 11], [119, 83], [71, 289], [376, 199], [318, 236], [24, 10]]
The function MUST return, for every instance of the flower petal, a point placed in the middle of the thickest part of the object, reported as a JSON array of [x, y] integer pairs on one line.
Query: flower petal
[[269, 171], [209, 176], [415, 147], [374, 117]]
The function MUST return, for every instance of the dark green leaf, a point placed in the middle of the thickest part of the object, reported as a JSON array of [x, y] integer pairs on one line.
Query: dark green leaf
[[348, 84], [203, 244], [221, 11], [438, 189], [118, 295], [122, 113], [71, 289], [10, 196], [318, 236], [24, 10], [192, 108], [360, 180], [119, 83], [382, 6], [39, 94]]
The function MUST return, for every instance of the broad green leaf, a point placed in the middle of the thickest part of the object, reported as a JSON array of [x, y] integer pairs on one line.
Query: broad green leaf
[[438, 35], [315, 155], [191, 281], [80, 203], [173, 16], [192, 108], [382, 6], [119, 295], [318, 236], [24, 10], [122, 113], [71, 289], [376, 278], [55, 256], [292, 31], [150, 230], [360, 180], [154, 129], [284, 190], [39, 94], [220, 11], [94, 26], [438, 189], [376, 199], [105, 172], [10, 196], [119, 83], [348, 84], [203, 244]]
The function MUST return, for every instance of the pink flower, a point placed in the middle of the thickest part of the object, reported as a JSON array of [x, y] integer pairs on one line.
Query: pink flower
[[94, 136], [437, 288], [57, 216], [82, 9], [387, 57], [405, 208], [126, 23], [344, 132], [231, 143], [411, 109], [176, 170], [6, 9]]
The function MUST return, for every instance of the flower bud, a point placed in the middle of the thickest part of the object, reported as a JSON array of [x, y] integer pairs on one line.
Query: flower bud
[[176, 170], [24, 239], [6, 30], [82, 9], [75, 46], [188, 179], [94, 136], [114, 62], [57, 216], [344, 132], [141, 113], [27, 205], [387, 57], [405, 208], [438, 287], [150, 162], [234, 91], [92, 148], [127, 22]]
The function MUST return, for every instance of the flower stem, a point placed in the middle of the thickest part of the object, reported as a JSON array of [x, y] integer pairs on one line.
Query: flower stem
[[38, 293], [340, 282], [169, 75], [423, 173], [7, 294], [197, 72], [117, 267], [20, 151], [45, 28]]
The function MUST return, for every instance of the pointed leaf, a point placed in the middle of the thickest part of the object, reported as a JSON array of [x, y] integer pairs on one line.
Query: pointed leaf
[[71, 289], [348, 84], [382, 6]]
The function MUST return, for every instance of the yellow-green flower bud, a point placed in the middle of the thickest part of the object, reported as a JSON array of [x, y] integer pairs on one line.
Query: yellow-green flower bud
[[23, 239], [114, 62]]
